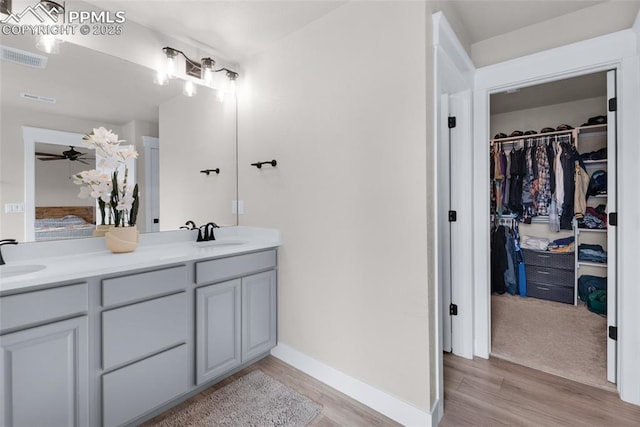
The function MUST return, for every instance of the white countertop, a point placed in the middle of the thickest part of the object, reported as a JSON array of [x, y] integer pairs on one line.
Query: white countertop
[[69, 260]]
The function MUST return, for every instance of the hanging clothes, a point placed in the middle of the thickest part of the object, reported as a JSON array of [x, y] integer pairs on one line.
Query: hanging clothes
[[498, 260], [517, 171], [500, 165], [568, 159], [510, 274], [529, 184], [559, 190], [582, 185], [543, 196]]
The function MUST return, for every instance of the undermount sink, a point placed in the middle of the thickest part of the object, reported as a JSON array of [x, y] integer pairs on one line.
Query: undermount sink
[[17, 270], [218, 243]]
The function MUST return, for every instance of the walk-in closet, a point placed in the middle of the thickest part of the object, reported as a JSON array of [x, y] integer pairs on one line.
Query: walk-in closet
[[552, 176]]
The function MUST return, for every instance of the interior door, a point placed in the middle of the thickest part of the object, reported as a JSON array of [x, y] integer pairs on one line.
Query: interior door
[[444, 227], [152, 182], [460, 220], [612, 283]]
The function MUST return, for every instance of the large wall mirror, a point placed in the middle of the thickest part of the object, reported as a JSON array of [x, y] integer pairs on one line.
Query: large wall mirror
[[44, 111]]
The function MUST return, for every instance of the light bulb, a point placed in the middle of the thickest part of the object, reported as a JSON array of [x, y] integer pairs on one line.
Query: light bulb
[[48, 43], [207, 76], [189, 89], [161, 78], [171, 66]]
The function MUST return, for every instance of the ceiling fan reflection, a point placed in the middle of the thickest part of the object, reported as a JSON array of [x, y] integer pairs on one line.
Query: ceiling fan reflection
[[71, 155]]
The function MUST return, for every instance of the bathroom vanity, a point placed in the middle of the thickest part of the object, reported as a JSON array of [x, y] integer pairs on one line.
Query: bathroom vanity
[[101, 339]]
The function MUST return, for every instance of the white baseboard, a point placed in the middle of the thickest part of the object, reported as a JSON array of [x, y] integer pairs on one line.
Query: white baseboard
[[437, 412], [377, 400]]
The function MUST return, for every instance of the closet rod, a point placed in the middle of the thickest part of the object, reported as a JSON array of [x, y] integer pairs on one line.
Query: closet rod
[[513, 139]]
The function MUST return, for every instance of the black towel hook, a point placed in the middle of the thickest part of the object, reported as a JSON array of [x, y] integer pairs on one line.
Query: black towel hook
[[259, 164], [208, 171]]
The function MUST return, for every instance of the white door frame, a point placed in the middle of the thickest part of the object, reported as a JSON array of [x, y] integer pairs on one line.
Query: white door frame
[[30, 136], [453, 81], [613, 51]]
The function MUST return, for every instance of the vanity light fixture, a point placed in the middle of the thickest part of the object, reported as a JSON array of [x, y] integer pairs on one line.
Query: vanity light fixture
[[203, 70]]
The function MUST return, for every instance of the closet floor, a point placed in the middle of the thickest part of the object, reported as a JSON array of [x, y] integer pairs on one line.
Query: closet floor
[[556, 338]]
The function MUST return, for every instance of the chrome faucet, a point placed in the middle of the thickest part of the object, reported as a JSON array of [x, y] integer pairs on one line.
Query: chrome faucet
[[6, 242]]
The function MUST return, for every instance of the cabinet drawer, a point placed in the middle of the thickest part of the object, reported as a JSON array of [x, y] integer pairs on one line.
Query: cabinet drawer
[[551, 276], [138, 388], [143, 285], [140, 329], [30, 308], [226, 268], [549, 259], [550, 292]]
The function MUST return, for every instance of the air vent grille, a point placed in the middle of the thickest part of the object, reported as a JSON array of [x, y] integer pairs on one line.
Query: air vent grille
[[33, 97], [22, 57]]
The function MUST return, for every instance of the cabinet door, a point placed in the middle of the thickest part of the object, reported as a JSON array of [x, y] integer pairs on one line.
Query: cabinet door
[[44, 373], [258, 314], [218, 329]]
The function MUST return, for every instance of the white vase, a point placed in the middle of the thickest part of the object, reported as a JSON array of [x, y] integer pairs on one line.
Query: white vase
[[122, 239]]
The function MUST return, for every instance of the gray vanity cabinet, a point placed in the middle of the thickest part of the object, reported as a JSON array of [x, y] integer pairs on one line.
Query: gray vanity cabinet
[[145, 335], [258, 314], [218, 330], [44, 358], [236, 315]]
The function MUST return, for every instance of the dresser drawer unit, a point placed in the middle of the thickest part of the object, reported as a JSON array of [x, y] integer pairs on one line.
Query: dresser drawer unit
[[138, 330], [550, 292], [551, 276], [549, 259], [119, 290], [225, 268], [136, 389], [29, 308]]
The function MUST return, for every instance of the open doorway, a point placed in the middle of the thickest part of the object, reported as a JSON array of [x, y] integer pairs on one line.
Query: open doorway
[[552, 181]]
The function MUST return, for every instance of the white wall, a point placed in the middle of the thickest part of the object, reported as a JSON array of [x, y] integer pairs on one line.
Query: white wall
[[132, 133], [197, 133], [570, 28], [342, 106], [54, 186], [573, 113]]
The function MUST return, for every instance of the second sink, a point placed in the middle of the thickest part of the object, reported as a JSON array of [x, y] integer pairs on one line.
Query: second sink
[[17, 270]]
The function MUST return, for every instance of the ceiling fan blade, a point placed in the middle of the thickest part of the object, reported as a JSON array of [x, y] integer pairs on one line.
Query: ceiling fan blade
[[53, 158], [82, 161], [48, 154]]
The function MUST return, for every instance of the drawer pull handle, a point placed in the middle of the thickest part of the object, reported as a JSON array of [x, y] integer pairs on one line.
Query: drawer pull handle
[[543, 272], [544, 256], [542, 288]]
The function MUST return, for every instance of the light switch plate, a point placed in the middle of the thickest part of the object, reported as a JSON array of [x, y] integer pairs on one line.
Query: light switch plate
[[10, 208], [237, 207]]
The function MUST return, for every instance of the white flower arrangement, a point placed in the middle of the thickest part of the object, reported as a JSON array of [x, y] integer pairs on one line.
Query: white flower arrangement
[[117, 197]]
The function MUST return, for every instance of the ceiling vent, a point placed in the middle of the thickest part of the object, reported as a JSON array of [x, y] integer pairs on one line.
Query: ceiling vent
[[22, 57], [33, 97]]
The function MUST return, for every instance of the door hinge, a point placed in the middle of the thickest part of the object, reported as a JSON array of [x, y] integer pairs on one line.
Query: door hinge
[[452, 122], [613, 333], [613, 218], [453, 216], [613, 104], [453, 310]]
